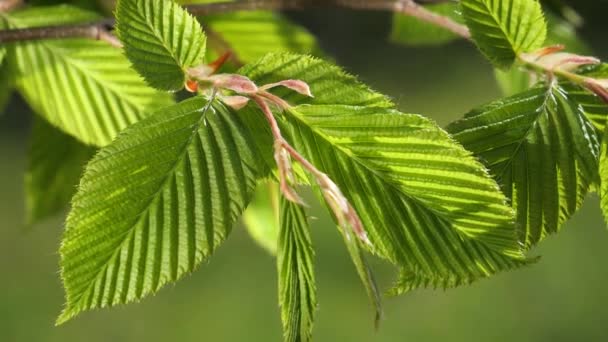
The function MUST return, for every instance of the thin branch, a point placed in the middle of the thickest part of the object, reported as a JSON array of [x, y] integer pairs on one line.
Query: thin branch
[[9, 5], [100, 30], [411, 8]]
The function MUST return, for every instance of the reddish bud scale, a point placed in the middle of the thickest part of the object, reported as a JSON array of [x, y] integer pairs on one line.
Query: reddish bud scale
[[191, 86]]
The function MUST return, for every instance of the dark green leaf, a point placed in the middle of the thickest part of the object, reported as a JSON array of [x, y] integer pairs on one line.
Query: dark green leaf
[[55, 163]]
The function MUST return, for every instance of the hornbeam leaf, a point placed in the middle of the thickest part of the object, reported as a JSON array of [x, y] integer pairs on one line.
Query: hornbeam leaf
[[502, 29], [161, 39], [55, 163], [155, 203], [357, 255], [542, 149], [424, 200], [297, 291], [413, 31], [594, 107], [559, 31], [84, 87], [262, 216], [604, 177], [250, 35]]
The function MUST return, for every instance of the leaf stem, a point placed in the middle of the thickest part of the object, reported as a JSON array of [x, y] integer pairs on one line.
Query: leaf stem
[[105, 26], [342, 209]]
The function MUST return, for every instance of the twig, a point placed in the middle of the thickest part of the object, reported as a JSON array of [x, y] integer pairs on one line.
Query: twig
[[411, 8], [9, 5], [101, 29]]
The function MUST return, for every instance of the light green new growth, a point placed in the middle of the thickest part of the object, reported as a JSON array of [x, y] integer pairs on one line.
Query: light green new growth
[[155, 203], [542, 150], [55, 163], [424, 201], [502, 29], [161, 39], [84, 87], [297, 290]]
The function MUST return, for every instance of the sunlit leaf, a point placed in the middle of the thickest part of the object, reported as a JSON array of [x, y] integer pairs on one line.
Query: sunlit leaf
[[542, 150], [502, 29], [155, 203], [85, 87], [161, 39], [424, 201]]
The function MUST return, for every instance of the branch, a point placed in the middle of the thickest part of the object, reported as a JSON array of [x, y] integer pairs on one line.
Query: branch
[[9, 5], [100, 30]]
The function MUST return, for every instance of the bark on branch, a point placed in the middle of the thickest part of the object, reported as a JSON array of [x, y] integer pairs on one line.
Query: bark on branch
[[100, 30]]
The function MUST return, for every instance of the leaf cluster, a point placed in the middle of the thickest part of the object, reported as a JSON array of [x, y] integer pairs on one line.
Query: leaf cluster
[[156, 185]]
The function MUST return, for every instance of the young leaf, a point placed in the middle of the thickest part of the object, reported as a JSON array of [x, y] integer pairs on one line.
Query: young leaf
[[55, 163], [261, 217], [161, 39], [155, 203], [413, 31], [297, 291], [357, 255], [84, 87], [423, 199], [541, 148], [502, 29]]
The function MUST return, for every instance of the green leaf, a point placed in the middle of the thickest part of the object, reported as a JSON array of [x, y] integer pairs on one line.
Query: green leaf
[[84, 87], [250, 35], [543, 151], [357, 255], [261, 217], [424, 200], [502, 29], [559, 31], [413, 31], [5, 75], [161, 39], [297, 291], [604, 176], [155, 203], [594, 107], [55, 163]]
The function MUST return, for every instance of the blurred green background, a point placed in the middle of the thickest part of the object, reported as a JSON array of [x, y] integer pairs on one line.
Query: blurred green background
[[233, 297]]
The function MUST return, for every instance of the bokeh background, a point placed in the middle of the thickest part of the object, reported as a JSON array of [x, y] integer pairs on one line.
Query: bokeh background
[[233, 297]]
